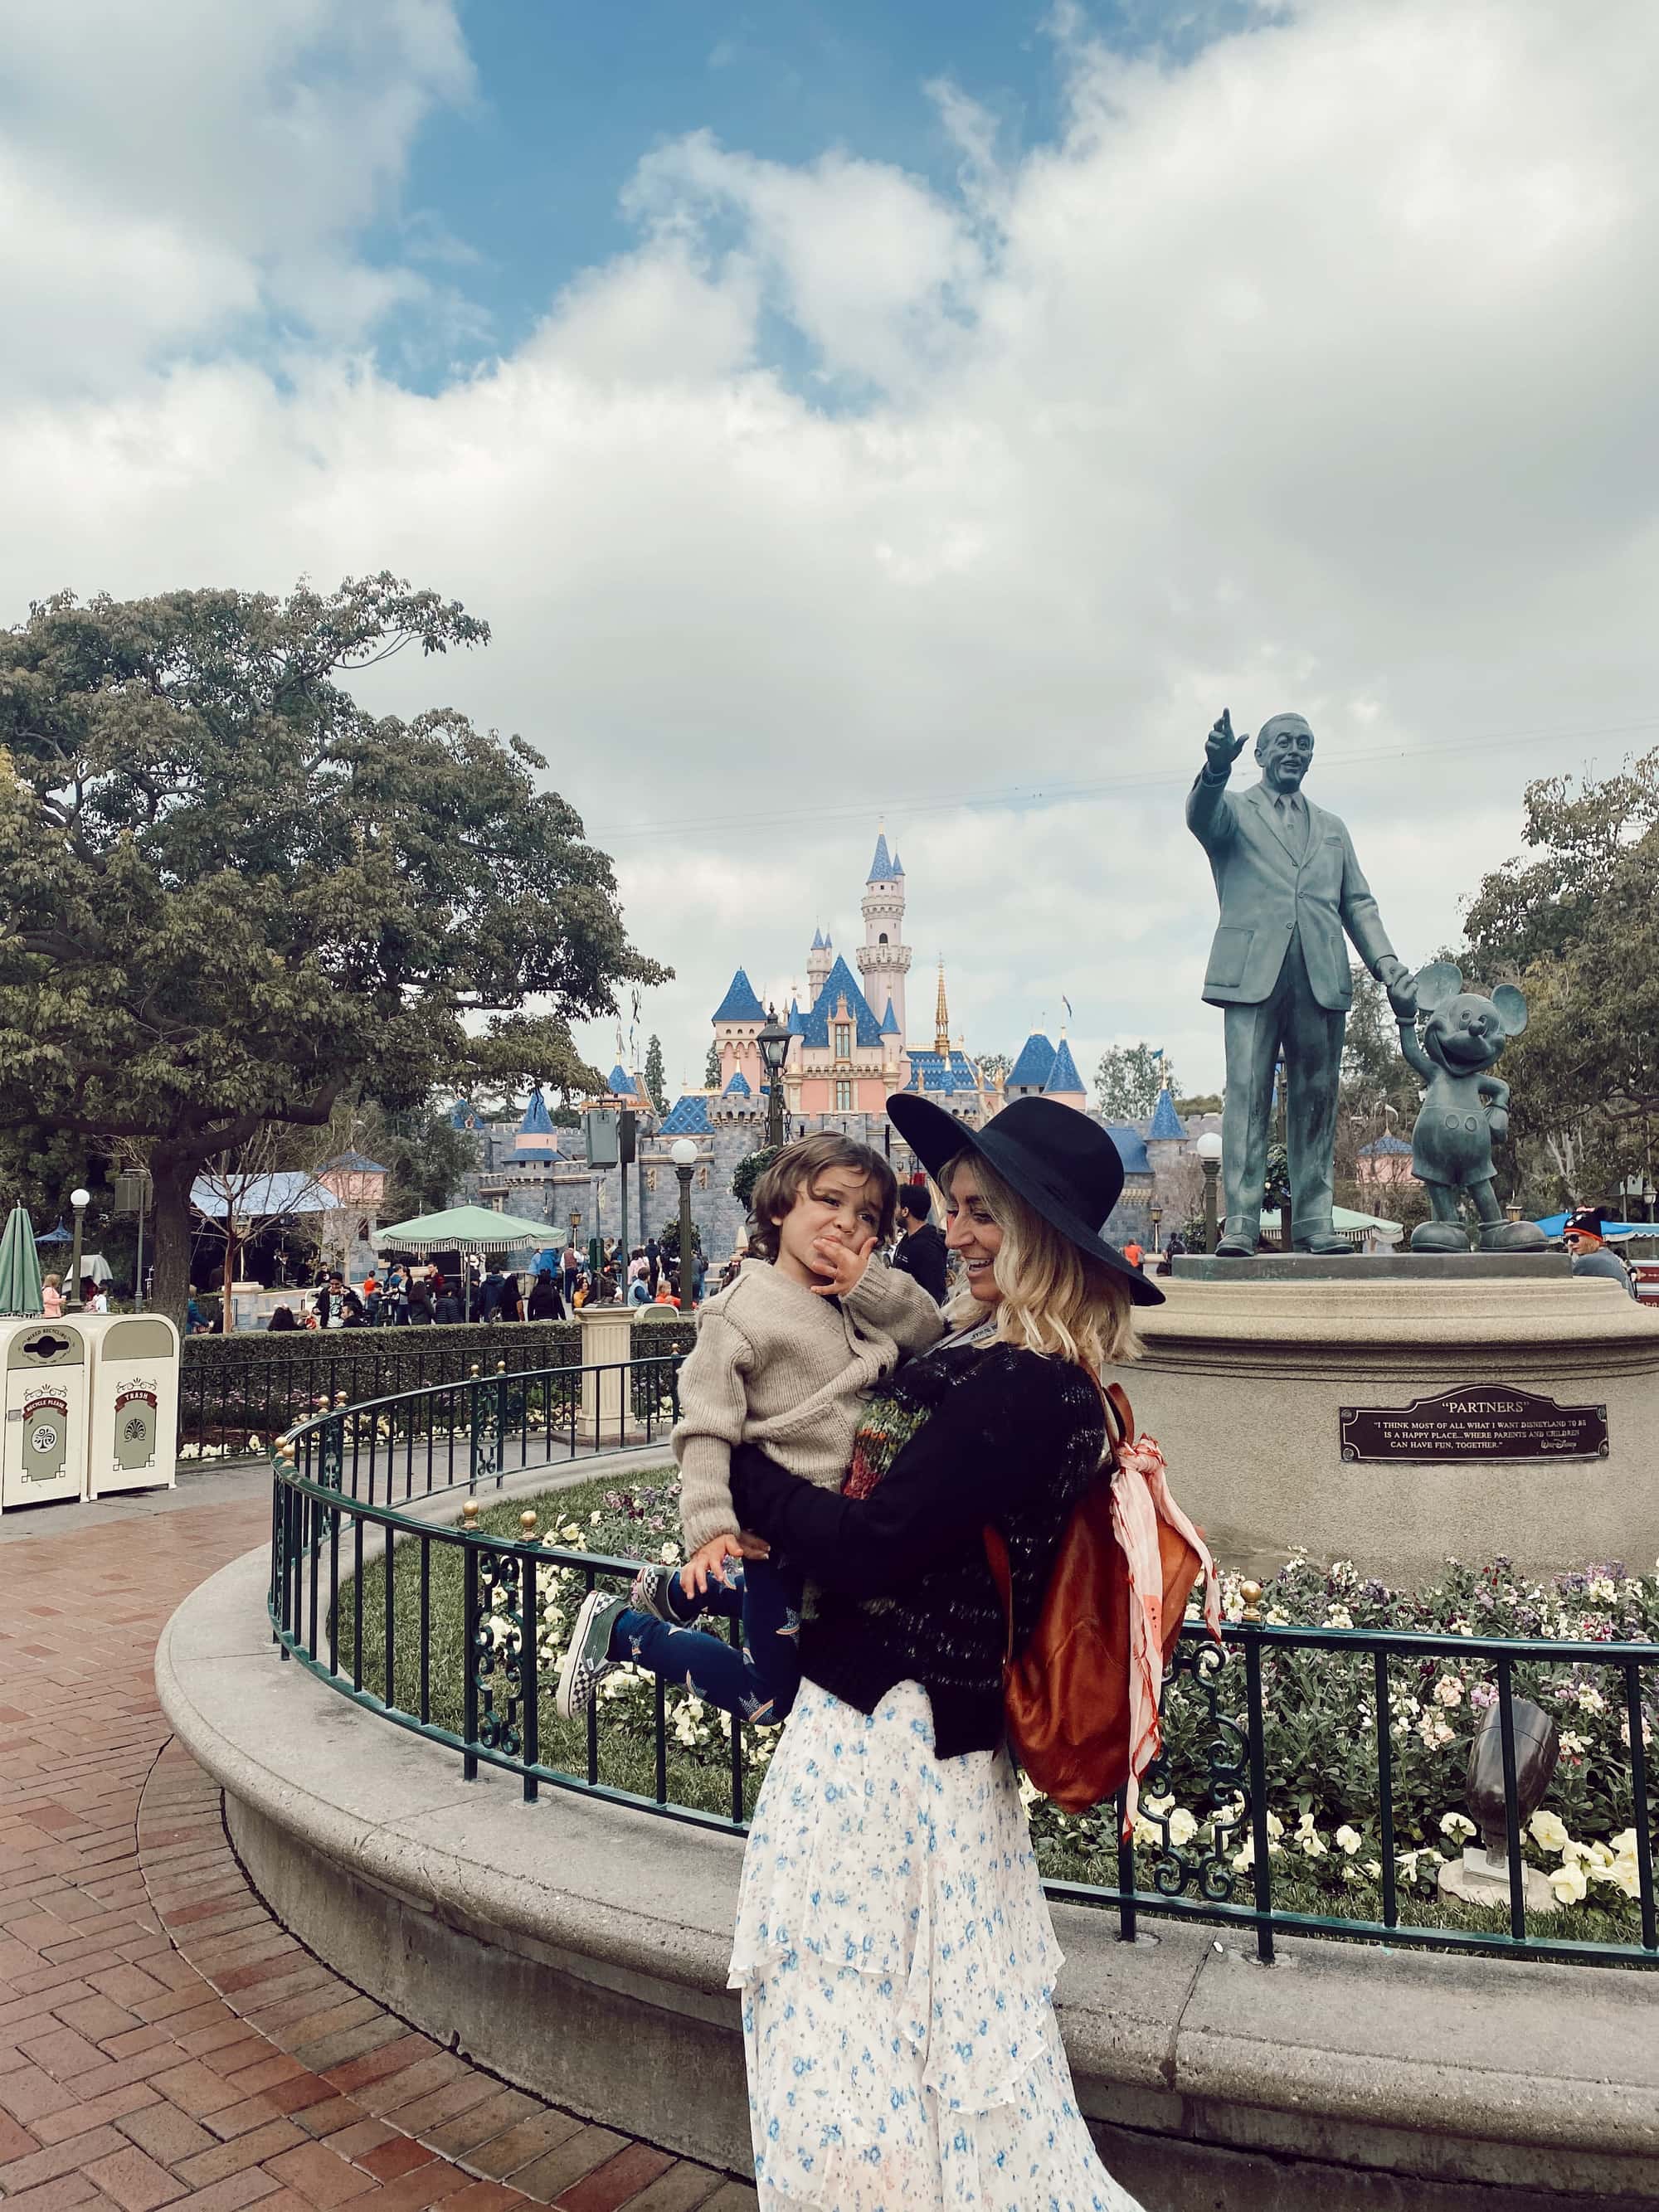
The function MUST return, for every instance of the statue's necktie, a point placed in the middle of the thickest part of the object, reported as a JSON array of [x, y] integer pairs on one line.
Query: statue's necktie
[[1293, 818]]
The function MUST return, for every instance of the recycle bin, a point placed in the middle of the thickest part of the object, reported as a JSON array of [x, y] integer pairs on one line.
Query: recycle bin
[[133, 1431], [42, 1446]]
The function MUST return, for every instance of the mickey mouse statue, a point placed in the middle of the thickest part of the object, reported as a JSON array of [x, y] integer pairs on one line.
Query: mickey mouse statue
[[1465, 1107]]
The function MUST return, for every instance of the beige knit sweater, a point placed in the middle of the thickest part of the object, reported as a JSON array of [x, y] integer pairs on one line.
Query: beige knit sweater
[[776, 1365]]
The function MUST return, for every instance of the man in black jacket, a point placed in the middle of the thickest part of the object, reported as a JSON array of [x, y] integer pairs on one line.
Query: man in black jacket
[[920, 1250]]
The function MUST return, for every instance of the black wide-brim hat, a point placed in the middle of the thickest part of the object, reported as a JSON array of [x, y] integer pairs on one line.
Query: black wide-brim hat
[[1063, 1165]]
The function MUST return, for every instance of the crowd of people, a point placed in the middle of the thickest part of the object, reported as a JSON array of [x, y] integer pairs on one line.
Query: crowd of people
[[420, 1293]]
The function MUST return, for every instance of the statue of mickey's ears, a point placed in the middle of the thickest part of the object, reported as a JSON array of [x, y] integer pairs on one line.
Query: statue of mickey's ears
[[1437, 983]]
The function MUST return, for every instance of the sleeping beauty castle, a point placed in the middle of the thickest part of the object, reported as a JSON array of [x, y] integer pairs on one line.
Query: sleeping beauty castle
[[852, 1042]]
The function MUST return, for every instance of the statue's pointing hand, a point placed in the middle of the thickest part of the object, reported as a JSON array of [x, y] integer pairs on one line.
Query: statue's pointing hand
[[1221, 747]]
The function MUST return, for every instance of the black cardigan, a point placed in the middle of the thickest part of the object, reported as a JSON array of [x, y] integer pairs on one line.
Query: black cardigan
[[905, 1592]]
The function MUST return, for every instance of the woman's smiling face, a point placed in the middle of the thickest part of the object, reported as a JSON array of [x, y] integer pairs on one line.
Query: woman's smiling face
[[970, 1230]]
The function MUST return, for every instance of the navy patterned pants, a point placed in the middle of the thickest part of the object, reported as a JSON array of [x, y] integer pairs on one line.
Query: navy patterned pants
[[757, 1682]]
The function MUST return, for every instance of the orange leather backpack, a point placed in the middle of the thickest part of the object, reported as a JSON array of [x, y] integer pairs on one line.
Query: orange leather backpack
[[1067, 1695]]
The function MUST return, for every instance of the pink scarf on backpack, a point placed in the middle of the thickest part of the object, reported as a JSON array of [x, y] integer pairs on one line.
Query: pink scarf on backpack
[[1140, 1499]]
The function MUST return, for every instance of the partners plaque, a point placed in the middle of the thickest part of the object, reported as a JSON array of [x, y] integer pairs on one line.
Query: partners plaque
[[1476, 1421]]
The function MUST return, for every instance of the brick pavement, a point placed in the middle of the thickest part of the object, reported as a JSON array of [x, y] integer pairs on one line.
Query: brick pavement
[[163, 2040]]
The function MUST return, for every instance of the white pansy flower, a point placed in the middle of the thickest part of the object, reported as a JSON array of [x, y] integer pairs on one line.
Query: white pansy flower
[[1454, 1825], [1570, 1884], [1548, 1830], [1183, 1826], [670, 1555], [1348, 1840], [1338, 1617]]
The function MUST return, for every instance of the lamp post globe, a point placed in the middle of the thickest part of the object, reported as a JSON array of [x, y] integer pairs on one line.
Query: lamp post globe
[[79, 1201], [684, 1153], [1208, 1149], [773, 1043]]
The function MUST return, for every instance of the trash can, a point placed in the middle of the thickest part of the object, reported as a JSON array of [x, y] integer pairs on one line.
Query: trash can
[[133, 1432], [43, 1455]]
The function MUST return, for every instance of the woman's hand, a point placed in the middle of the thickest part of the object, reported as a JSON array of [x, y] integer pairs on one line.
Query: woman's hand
[[709, 1561], [841, 1266]]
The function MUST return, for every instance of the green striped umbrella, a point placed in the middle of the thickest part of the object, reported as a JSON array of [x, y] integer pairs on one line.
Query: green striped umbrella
[[19, 1265]]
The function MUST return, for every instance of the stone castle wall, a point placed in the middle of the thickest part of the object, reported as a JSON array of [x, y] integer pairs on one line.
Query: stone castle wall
[[550, 1194]]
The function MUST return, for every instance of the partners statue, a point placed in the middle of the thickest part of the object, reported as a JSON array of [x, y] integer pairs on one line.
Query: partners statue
[[1465, 1106], [1289, 886]]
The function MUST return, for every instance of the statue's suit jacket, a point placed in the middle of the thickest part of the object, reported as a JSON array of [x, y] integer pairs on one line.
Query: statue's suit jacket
[[1267, 892]]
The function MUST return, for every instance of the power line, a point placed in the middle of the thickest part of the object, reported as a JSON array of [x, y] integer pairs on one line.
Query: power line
[[1026, 797]]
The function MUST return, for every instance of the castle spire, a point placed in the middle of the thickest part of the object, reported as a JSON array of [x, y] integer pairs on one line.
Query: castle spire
[[941, 1018]]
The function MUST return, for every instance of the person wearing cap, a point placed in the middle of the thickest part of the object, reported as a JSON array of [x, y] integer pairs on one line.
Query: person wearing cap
[[894, 1951], [1585, 1238], [920, 1252]]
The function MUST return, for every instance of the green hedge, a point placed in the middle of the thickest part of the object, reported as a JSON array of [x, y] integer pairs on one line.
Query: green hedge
[[231, 1388]]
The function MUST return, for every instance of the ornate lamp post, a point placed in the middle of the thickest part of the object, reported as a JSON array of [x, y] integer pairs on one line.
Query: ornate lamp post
[[774, 1045], [1157, 1217], [684, 1153], [80, 1200], [1208, 1149]]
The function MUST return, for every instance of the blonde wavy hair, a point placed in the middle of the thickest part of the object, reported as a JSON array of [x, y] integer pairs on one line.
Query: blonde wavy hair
[[1055, 1298]]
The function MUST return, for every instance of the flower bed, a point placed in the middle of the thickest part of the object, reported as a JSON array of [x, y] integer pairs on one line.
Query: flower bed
[[1324, 1800], [1323, 1795]]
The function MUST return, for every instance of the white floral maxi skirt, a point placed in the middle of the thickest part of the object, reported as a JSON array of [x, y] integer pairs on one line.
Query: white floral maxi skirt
[[897, 1963]]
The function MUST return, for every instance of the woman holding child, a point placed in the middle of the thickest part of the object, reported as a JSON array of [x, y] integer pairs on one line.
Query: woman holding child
[[893, 1949]]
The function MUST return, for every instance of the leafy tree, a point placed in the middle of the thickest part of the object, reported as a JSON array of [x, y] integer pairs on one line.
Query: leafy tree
[[748, 1170], [668, 1237], [1128, 1079], [426, 1161], [1577, 927], [711, 1069], [230, 894], [1201, 1102], [656, 1081], [993, 1069], [1584, 839]]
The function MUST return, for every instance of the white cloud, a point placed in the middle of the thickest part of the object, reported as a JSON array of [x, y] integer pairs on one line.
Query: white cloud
[[1315, 371], [178, 173]]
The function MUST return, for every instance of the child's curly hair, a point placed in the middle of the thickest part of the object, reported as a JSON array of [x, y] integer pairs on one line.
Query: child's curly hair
[[780, 1181]]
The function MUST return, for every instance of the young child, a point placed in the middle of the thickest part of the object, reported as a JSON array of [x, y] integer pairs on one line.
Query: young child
[[783, 1358]]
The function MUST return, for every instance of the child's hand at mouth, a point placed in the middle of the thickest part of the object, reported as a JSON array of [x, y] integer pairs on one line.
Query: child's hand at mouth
[[842, 1264]]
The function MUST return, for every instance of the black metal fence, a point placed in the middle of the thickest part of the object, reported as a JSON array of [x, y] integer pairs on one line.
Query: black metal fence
[[452, 1631]]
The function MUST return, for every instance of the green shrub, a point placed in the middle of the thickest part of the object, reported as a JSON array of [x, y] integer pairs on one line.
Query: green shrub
[[231, 1387]]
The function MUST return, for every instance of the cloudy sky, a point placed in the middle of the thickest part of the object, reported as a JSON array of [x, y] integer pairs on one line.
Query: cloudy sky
[[839, 412]]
